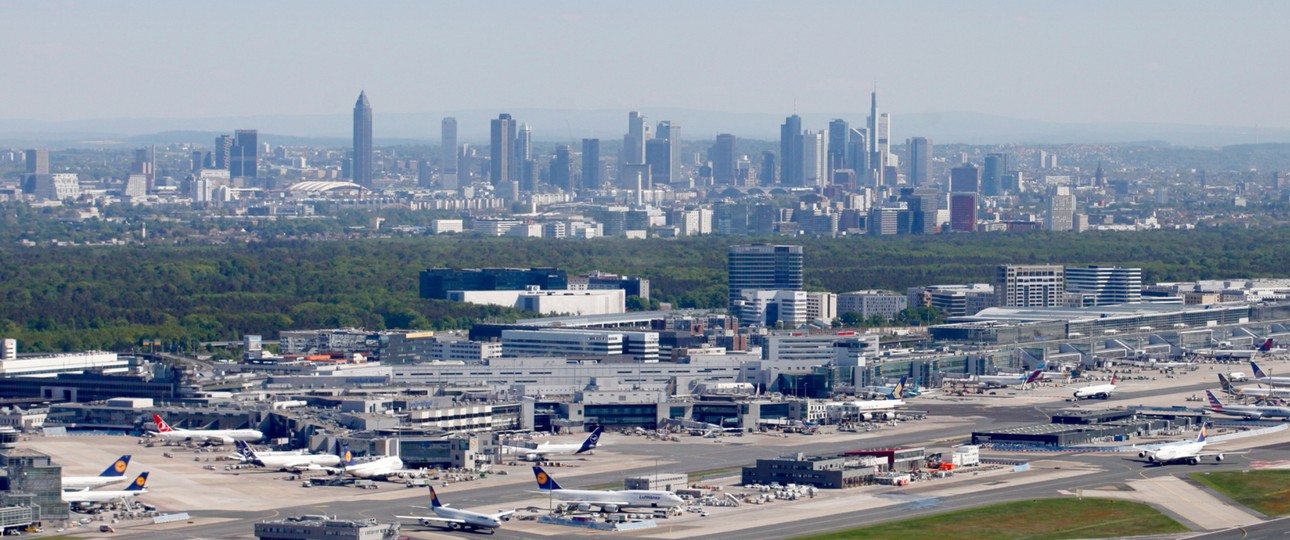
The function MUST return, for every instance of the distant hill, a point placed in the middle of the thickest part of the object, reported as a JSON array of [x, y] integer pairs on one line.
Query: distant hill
[[572, 125]]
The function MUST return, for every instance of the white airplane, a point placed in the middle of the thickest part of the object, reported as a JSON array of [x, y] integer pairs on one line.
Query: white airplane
[[1010, 379], [289, 462], [1100, 391], [84, 497], [546, 449], [220, 436], [1261, 393], [1237, 354], [1269, 380], [382, 468], [459, 519], [111, 475], [606, 501], [1252, 412], [1188, 452]]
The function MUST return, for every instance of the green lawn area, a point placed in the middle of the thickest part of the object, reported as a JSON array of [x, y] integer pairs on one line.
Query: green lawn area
[[1044, 519], [1265, 491]]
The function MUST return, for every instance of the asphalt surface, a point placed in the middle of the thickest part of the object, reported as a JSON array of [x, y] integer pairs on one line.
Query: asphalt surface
[[735, 453]]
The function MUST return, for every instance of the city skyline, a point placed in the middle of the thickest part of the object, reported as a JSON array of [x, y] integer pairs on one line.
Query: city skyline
[[1092, 62]]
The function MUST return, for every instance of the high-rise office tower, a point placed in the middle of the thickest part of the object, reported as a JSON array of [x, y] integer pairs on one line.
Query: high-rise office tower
[[223, 153], [1030, 285], [671, 132], [362, 168], [1041, 159], [839, 136], [37, 161], [920, 161], [501, 149], [814, 160], [790, 151], [591, 168], [996, 165], [763, 266], [524, 144], [723, 160], [529, 177], [963, 212], [244, 159], [858, 153], [448, 153], [965, 179], [1105, 285], [877, 134], [562, 170], [658, 158], [767, 174], [1061, 209], [634, 141]]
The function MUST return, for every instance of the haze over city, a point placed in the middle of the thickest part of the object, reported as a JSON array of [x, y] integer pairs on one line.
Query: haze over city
[[1188, 63]]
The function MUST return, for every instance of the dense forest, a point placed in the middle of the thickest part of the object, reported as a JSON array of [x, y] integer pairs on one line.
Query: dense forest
[[71, 298]]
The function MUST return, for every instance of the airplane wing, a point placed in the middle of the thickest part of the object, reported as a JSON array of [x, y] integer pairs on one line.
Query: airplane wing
[[1219, 452], [503, 516]]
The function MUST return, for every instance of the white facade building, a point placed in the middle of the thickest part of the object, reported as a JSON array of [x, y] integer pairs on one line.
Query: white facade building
[[885, 304], [590, 302]]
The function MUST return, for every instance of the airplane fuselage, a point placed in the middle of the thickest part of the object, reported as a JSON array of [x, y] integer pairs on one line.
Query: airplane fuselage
[[1102, 391], [89, 482], [631, 498]]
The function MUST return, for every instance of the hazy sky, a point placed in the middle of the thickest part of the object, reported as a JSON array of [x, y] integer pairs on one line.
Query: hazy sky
[[1211, 63]]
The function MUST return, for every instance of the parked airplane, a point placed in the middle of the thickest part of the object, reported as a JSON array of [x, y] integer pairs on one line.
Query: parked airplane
[[1252, 391], [1100, 391], [1269, 380], [459, 519], [546, 449], [289, 462], [384, 468], [607, 501], [900, 390], [111, 475], [1188, 452], [1010, 379], [83, 497], [1252, 412], [1237, 354], [220, 436]]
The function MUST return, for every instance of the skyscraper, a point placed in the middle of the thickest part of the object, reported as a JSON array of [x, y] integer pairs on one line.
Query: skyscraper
[[634, 141], [814, 160], [763, 266], [223, 153], [244, 159], [965, 179], [524, 144], [37, 161], [920, 161], [501, 149], [839, 136], [723, 160], [448, 163], [671, 132], [362, 168], [858, 153], [790, 151], [591, 163], [562, 169], [996, 165], [877, 135]]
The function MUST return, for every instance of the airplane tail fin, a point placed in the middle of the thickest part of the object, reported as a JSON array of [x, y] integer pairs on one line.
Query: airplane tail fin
[[1213, 401], [117, 468], [1225, 384], [1034, 376], [1203, 429], [898, 391], [1267, 346], [139, 482], [544, 481], [1114, 376], [162, 426], [592, 440], [346, 457], [1257, 372], [434, 499]]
